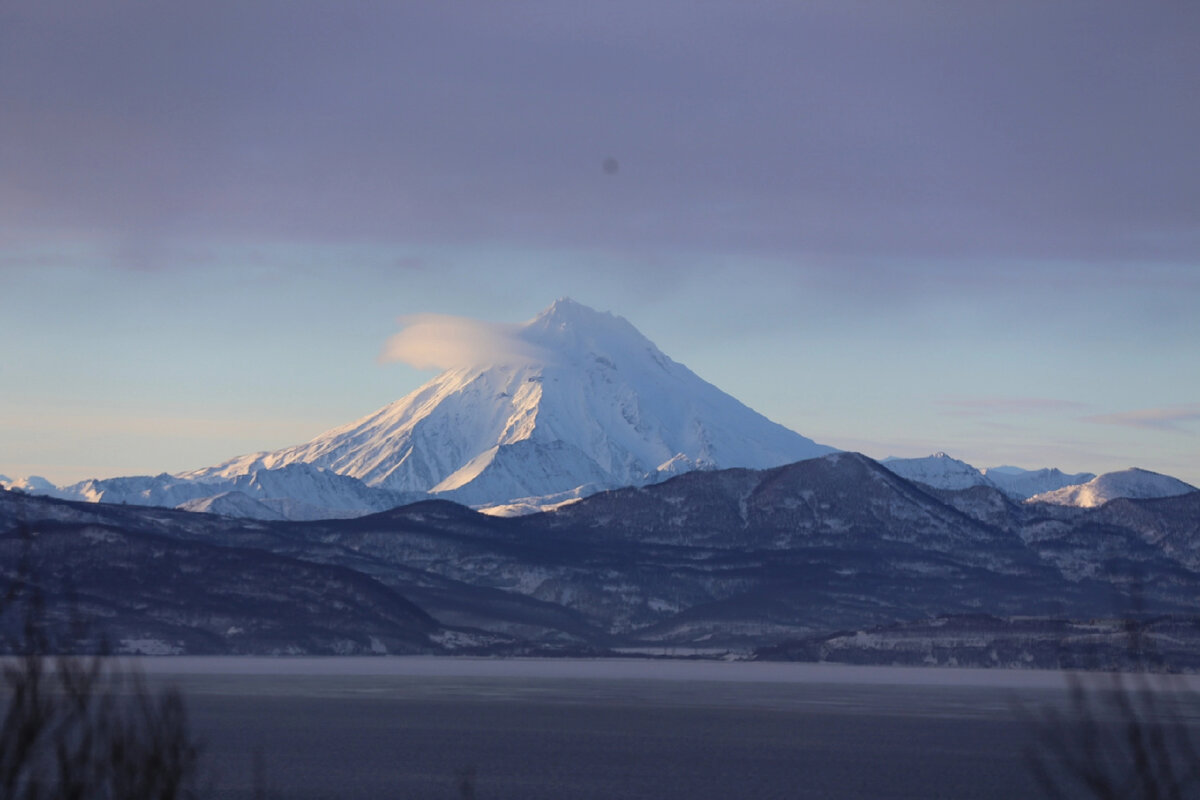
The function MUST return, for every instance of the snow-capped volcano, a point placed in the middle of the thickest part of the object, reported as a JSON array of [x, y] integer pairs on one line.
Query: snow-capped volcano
[[589, 403], [1134, 483]]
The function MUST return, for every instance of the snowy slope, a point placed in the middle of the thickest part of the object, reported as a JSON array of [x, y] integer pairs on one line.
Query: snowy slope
[[1133, 483], [938, 470], [296, 491], [143, 490], [594, 405], [1025, 483], [34, 484], [232, 504]]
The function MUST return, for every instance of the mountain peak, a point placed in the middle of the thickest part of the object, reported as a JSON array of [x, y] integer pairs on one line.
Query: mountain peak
[[566, 305], [939, 470], [1134, 483], [597, 405], [568, 313], [571, 330], [1023, 484]]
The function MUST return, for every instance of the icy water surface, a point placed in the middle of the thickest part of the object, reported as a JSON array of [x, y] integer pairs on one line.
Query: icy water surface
[[408, 728]]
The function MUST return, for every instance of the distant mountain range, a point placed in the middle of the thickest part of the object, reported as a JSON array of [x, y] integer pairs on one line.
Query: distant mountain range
[[1039, 486], [1025, 483], [634, 507], [944, 472], [295, 491], [738, 558]]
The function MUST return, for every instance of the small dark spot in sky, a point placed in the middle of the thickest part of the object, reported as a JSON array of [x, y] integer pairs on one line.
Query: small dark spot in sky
[[610, 166]]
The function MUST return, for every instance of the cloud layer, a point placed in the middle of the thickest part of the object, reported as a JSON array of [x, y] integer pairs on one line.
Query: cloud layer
[[1168, 418], [972, 406], [906, 129], [441, 341]]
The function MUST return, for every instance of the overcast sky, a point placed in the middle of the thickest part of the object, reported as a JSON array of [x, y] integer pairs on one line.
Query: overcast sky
[[894, 226]]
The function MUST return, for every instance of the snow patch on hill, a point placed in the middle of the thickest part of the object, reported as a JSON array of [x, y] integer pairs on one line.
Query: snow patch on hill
[[1132, 483], [232, 504], [296, 491], [34, 484], [1025, 483], [939, 471]]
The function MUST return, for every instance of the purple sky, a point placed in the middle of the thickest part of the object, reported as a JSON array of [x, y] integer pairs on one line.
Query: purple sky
[[891, 225], [1015, 130]]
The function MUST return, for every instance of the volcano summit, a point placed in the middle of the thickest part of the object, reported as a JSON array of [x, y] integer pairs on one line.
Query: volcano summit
[[589, 403], [578, 401]]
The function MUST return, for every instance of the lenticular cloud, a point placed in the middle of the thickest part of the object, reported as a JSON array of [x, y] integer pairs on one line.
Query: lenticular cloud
[[440, 341]]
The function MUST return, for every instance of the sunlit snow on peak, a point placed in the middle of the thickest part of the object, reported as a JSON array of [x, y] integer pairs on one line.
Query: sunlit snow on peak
[[1134, 482], [571, 398]]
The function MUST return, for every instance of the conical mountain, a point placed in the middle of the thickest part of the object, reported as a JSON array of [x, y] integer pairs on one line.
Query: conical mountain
[[589, 403]]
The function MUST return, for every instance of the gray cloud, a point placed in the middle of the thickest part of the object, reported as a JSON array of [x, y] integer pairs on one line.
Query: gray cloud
[[982, 406], [846, 130], [1167, 418]]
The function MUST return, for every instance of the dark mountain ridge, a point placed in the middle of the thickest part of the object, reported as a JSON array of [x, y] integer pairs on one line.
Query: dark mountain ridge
[[727, 559]]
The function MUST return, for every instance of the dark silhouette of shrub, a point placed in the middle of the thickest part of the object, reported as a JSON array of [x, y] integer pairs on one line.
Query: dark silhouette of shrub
[[1121, 736], [76, 727]]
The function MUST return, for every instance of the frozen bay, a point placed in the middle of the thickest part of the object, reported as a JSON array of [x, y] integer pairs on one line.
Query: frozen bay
[[548, 728]]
